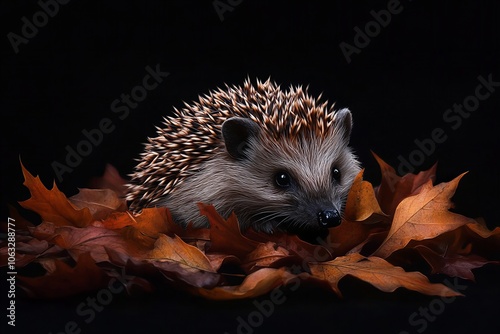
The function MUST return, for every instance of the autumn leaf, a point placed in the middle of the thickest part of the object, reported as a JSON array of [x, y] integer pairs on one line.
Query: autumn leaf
[[362, 218], [222, 262], [100, 202], [393, 188], [423, 216], [295, 245], [111, 179], [350, 234], [256, 284], [77, 241], [142, 229], [65, 280], [225, 235], [453, 265], [361, 204], [378, 272], [52, 205], [265, 255], [176, 250]]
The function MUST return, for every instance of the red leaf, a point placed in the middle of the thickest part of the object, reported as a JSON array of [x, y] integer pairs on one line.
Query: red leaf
[[66, 281]]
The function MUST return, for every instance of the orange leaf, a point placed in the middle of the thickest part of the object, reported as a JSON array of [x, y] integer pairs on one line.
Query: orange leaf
[[393, 188], [378, 272], [265, 255], [111, 179], [66, 281], [225, 235], [142, 229], [52, 205], [453, 265], [76, 241], [256, 284], [423, 216], [100, 202], [294, 244], [361, 204], [349, 235], [176, 250]]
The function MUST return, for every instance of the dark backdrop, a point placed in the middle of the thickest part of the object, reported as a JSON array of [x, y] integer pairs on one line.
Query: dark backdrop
[[62, 72]]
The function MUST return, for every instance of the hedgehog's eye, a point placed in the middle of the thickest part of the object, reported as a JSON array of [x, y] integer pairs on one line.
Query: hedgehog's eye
[[282, 179], [336, 174]]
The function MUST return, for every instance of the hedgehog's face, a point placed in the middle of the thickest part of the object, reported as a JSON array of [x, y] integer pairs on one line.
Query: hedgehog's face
[[289, 184]]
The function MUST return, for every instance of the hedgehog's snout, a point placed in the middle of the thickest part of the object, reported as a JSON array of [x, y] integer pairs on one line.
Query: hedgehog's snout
[[329, 218]]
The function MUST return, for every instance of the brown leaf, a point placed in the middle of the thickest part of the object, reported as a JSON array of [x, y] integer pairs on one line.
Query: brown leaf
[[256, 284], [77, 241], [142, 229], [66, 281], [100, 202], [179, 275], [111, 179], [349, 235], [378, 272], [361, 204], [423, 216], [453, 265], [265, 255], [176, 250], [225, 235], [52, 205], [295, 245], [393, 188]]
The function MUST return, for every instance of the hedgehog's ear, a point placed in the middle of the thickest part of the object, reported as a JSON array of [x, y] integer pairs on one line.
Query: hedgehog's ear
[[237, 132], [343, 121]]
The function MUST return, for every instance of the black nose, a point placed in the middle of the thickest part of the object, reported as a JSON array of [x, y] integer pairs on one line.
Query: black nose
[[329, 218]]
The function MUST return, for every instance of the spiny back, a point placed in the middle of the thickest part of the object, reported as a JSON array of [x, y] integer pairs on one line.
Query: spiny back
[[192, 136]]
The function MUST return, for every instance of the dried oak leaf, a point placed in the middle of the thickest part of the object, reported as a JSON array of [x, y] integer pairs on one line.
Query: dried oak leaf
[[30, 250], [453, 265], [362, 204], [177, 260], [176, 250], [52, 205], [256, 284], [225, 235], [295, 246], [77, 241], [145, 228], [100, 202], [362, 218], [377, 272], [111, 179], [423, 216], [394, 188], [267, 254], [66, 281]]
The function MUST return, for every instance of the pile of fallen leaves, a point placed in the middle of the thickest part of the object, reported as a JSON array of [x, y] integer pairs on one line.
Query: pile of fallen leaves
[[89, 239]]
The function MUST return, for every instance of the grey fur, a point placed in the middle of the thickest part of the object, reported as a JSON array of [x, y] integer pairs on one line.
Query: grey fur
[[246, 186], [225, 150]]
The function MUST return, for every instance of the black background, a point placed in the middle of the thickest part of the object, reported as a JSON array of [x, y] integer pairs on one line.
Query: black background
[[398, 88]]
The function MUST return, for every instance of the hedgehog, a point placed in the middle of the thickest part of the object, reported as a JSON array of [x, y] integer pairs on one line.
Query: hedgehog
[[279, 159]]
